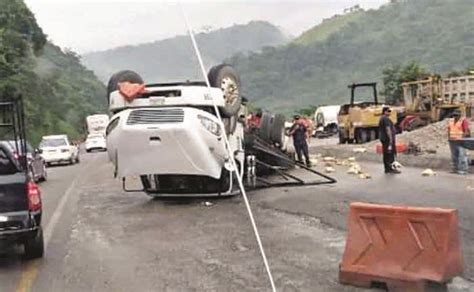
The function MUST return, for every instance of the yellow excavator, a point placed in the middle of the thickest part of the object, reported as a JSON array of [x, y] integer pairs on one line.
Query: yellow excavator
[[358, 121]]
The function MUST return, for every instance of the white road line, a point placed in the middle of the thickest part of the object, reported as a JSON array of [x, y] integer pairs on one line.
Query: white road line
[[48, 232]]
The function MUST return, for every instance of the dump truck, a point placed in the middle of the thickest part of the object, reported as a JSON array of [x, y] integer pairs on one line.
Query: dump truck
[[434, 99]]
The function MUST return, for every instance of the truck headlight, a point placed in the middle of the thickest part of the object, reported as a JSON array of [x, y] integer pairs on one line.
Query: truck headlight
[[210, 125]]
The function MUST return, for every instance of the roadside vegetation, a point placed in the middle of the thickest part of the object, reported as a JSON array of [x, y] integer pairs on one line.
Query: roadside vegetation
[[58, 91]]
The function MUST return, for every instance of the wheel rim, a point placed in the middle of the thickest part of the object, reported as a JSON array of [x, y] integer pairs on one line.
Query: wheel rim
[[230, 89]]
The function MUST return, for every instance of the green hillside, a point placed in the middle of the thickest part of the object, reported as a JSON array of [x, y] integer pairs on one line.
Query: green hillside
[[58, 91], [329, 26], [437, 34], [174, 59]]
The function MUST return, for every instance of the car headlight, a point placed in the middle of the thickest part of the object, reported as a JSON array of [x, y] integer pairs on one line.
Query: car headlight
[[210, 125]]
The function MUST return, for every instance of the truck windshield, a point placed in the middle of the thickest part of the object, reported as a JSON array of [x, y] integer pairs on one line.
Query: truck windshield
[[53, 143]]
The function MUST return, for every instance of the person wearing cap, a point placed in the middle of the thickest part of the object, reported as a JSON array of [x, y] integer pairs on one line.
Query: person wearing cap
[[458, 128], [299, 133], [387, 134]]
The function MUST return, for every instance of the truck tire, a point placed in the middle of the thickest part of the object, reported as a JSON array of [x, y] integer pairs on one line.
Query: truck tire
[[265, 131], [342, 138], [34, 247], [122, 76], [362, 136], [223, 76], [278, 129]]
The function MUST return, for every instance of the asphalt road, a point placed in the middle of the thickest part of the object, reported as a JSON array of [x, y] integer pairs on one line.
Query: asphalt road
[[100, 238]]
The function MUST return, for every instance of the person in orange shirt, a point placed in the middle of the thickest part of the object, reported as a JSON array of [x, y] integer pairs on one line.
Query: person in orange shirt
[[458, 128]]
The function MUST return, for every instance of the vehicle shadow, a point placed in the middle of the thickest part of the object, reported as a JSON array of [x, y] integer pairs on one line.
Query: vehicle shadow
[[10, 256], [155, 204]]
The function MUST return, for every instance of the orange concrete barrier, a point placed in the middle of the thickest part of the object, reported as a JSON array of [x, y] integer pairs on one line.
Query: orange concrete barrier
[[403, 247], [400, 147]]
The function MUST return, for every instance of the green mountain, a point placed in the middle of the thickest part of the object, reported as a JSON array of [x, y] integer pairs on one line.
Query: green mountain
[[174, 59], [314, 69], [58, 91], [329, 26]]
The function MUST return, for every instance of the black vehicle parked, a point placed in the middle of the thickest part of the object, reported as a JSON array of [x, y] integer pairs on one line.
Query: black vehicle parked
[[20, 197], [36, 164]]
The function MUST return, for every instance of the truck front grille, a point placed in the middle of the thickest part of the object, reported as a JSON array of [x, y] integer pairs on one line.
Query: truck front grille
[[141, 117]]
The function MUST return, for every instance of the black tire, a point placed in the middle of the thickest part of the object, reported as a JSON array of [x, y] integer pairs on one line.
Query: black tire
[[265, 131], [223, 76], [34, 247], [342, 139], [362, 136], [278, 129], [373, 134], [122, 76]]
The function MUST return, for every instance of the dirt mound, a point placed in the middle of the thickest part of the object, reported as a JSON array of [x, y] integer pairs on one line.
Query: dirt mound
[[429, 138]]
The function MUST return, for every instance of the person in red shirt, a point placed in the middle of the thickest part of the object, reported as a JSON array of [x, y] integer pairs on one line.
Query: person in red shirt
[[458, 128], [255, 120]]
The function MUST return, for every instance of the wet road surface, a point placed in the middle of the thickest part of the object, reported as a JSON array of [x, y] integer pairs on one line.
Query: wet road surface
[[100, 238]]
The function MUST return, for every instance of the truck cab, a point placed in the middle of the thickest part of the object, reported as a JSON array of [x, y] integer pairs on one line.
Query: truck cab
[[169, 135], [20, 197]]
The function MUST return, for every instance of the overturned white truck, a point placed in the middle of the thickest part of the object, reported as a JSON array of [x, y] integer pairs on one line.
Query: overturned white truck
[[170, 137], [169, 134]]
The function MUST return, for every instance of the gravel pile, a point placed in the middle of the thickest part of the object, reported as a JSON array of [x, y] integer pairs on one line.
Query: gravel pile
[[429, 138]]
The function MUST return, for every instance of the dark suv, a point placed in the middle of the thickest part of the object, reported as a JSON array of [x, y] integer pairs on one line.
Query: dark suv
[[20, 197]]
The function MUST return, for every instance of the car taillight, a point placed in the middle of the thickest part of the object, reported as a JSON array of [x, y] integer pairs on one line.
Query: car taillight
[[34, 197]]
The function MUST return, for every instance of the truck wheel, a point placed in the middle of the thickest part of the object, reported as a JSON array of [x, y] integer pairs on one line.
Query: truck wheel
[[226, 78], [34, 247], [122, 76], [362, 136], [342, 139], [278, 129], [265, 131], [373, 134]]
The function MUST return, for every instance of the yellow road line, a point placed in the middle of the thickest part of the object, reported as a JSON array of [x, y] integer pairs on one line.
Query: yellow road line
[[28, 276]]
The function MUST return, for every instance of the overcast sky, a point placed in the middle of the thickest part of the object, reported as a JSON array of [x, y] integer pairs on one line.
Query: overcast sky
[[93, 25]]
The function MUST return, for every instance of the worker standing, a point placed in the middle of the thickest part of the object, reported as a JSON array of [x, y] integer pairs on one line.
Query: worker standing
[[458, 128], [387, 138], [299, 132]]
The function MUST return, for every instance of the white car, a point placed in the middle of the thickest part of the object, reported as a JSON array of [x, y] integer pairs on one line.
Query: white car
[[172, 139], [97, 123], [58, 149], [95, 142]]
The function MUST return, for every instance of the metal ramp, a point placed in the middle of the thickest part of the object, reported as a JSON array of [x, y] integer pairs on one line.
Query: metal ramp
[[266, 158]]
